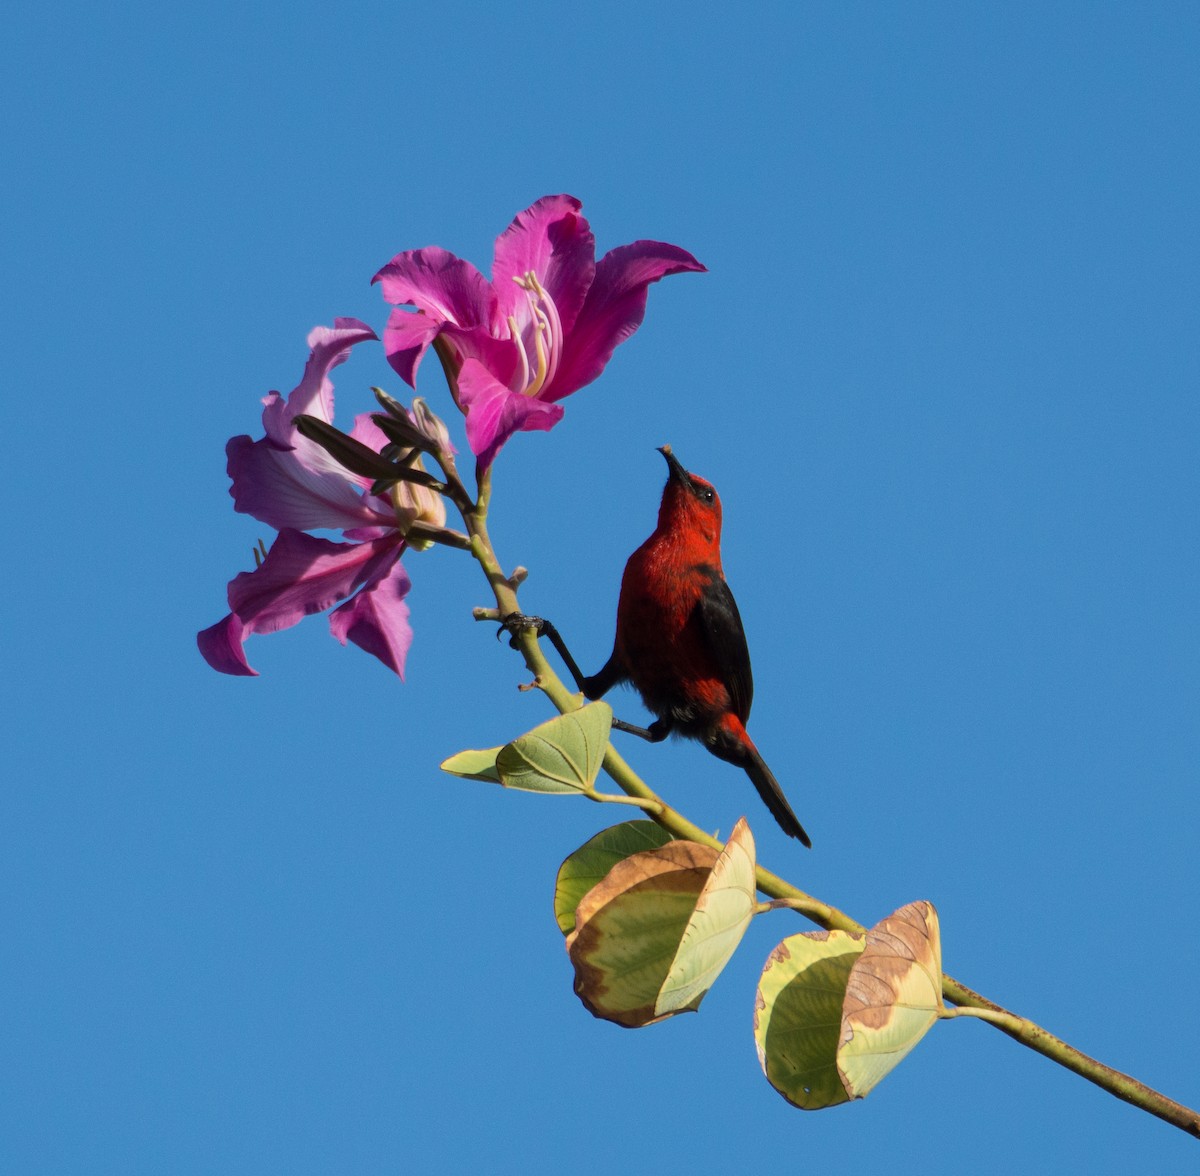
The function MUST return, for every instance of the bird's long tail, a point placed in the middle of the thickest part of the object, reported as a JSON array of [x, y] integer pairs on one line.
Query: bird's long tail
[[730, 741], [772, 796]]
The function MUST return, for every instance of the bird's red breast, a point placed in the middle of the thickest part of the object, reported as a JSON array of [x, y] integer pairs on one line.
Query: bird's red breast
[[663, 640]]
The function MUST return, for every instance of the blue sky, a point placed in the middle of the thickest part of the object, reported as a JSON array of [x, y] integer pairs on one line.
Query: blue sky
[[943, 372]]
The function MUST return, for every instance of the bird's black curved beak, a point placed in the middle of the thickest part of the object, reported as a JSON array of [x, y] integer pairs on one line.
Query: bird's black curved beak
[[678, 473]]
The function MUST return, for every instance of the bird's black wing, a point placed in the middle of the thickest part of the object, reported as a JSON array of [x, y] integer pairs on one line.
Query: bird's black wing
[[722, 624]]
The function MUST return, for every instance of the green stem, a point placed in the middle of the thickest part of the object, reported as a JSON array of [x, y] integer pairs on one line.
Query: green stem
[[809, 907], [648, 806], [992, 1016], [783, 893]]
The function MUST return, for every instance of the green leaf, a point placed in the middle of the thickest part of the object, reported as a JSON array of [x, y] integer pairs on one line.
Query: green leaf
[[722, 914], [628, 928], [562, 755], [474, 765], [592, 860], [798, 1015], [893, 996]]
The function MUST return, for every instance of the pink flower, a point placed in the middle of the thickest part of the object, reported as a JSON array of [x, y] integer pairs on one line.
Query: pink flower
[[292, 484], [543, 327]]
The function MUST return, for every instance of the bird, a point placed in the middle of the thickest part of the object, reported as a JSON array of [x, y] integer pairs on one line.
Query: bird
[[680, 641]]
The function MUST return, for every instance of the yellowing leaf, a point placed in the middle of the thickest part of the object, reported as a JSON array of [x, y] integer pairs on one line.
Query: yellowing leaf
[[474, 765], [592, 860], [650, 939], [628, 928], [798, 1015], [562, 755], [723, 912], [893, 996]]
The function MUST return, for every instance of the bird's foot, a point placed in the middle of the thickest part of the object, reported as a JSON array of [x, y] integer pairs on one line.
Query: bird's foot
[[514, 624]]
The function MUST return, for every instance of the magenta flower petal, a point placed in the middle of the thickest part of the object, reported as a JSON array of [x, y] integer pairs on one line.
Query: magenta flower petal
[[450, 293], [552, 240], [499, 356], [442, 285], [406, 338], [221, 646], [447, 289], [408, 335], [376, 619], [328, 347], [368, 432], [278, 488], [615, 307], [495, 413], [302, 575]]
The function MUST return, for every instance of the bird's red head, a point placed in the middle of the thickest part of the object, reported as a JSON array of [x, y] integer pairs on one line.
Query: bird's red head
[[690, 506]]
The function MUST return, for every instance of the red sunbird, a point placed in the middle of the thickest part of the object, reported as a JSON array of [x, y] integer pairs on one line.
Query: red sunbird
[[680, 641]]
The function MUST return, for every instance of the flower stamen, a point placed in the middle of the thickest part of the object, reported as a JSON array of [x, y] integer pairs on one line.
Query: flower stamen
[[516, 334], [547, 334]]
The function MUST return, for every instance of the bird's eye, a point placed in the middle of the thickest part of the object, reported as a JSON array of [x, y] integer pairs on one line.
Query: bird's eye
[[706, 494]]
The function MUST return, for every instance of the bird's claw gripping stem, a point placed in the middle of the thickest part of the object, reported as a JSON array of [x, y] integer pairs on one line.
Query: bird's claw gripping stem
[[515, 623]]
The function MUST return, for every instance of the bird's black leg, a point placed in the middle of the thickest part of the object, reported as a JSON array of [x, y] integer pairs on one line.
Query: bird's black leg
[[593, 687], [655, 733], [515, 622], [599, 684]]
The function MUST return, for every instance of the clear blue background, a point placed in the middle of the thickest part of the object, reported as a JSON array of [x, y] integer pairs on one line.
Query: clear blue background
[[944, 374]]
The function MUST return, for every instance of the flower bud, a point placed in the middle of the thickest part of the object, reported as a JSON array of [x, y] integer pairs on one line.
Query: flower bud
[[413, 504], [416, 426], [432, 426]]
